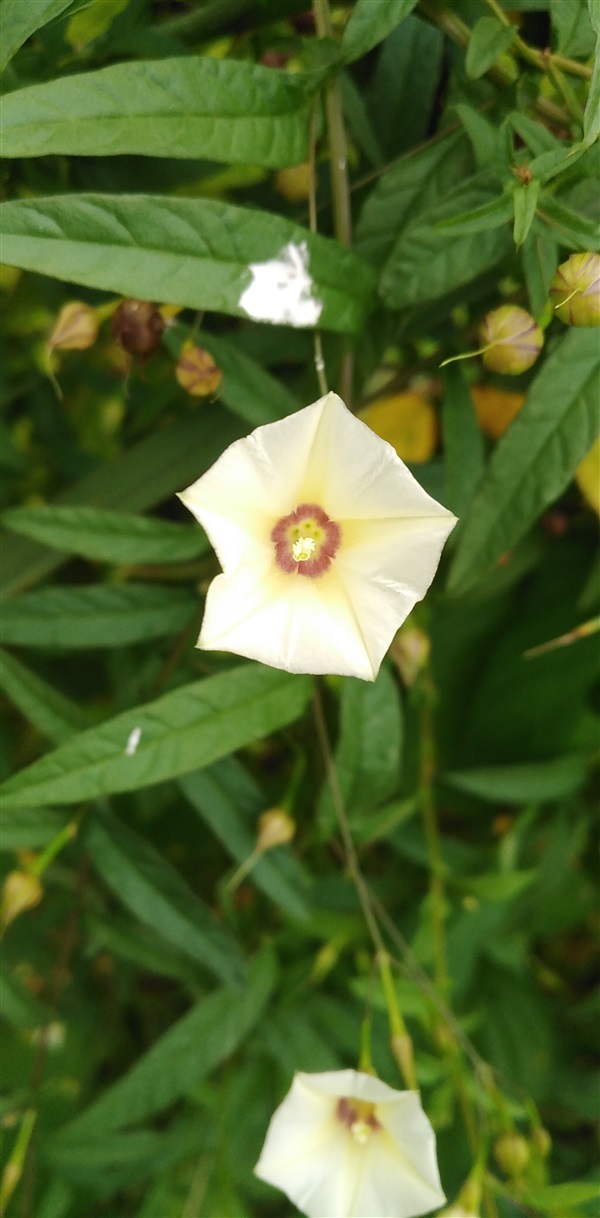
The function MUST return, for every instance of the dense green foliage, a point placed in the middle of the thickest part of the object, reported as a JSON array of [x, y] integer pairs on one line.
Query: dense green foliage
[[154, 1010]]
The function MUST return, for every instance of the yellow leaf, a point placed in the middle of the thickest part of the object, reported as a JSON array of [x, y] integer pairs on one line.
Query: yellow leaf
[[407, 421], [588, 477], [495, 408]]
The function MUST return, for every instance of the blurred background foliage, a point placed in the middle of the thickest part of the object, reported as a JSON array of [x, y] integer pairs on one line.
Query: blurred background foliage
[[157, 999]]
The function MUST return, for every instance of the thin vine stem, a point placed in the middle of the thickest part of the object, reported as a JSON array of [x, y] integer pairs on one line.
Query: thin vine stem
[[312, 218]]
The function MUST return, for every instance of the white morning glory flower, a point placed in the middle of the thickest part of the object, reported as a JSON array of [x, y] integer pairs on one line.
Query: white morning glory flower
[[325, 539], [345, 1145]]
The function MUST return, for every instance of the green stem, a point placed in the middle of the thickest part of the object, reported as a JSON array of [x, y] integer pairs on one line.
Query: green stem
[[403, 1051], [338, 162], [543, 60], [432, 836], [14, 1168], [312, 215]]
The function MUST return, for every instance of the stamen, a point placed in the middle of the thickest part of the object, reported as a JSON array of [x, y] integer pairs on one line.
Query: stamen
[[303, 548]]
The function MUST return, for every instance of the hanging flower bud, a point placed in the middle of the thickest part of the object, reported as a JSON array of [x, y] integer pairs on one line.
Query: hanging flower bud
[[76, 328], [196, 371], [275, 828], [511, 340], [575, 290], [294, 183], [512, 1154], [137, 325], [21, 890]]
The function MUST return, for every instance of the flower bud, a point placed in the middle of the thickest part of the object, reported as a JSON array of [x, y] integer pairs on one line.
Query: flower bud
[[196, 371], [575, 290], [76, 328], [511, 340], [294, 183], [21, 890], [512, 1154], [495, 408], [542, 1141], [137, 326], [410, 652], [275, 828]]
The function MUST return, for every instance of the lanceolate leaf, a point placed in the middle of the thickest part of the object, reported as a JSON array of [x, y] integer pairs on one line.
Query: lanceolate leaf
[[197, 106], [191, 252], [103, 615], [48, 710], [536, 457], [370, 23], [116, 537], [179, 732], [155, 892], [205, 1036], [489, 39], [19, 20]]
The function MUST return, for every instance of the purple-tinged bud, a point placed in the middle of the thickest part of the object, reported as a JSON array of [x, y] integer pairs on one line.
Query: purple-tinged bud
[[575, 290], [511, 340], [197, 371]]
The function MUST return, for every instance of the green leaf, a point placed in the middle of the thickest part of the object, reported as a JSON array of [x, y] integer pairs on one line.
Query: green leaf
[[489, 40], [577, 230], [370, 23], [539, 255], [165, 461], [116, 537], [428, 261], [417, 181], [489, 215], [30, 828], [524, 197], [463, 442], [205, 1036], [369, 748], [17, 1004], [181, 731], [199, 107], [572, 26], [49, 711], [247, 388], [560, 1198], [536, 782], [230, 803], [19, 19], [499, 886], [101, 615], [155, 892], [535, 459], [195, 252], [483, 135], [591, 117]]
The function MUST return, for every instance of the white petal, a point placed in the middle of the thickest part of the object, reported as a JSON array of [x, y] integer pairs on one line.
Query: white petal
[[287, 621], [392, 1186], [353, 473], [254, 482], [386, 567], [353, 1084]]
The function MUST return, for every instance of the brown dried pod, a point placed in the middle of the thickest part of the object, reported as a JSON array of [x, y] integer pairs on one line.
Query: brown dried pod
[[197, 371], [137, 325]]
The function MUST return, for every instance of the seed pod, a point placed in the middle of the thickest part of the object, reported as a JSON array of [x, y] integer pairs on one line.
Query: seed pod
[[294, 183], [512, 1154], [407, 421], [196, 371], [21, 890], [511, 340], [137, 326], [275, 828], [575, 290], [76, 328]]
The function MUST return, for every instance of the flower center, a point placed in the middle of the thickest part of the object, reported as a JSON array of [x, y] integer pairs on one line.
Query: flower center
[[306, 541], [359, 1118]]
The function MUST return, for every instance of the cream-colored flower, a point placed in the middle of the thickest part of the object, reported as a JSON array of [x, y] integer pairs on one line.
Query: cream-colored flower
[[345, 1145], [325, 539]]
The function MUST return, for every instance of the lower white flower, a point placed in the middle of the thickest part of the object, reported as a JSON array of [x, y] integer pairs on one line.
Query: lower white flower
[[325, 539], [345, 1145]]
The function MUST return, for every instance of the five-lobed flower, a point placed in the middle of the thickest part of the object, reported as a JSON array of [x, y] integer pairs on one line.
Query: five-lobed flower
[[343, 1144], [325, 539]]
